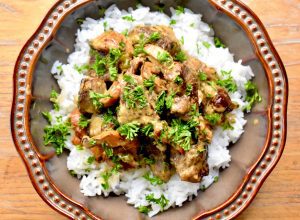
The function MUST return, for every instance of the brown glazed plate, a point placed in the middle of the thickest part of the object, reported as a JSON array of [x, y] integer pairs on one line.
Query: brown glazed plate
[[253, 156]]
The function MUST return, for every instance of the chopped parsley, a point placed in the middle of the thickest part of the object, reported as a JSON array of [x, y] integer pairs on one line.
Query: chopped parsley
[[125, 32], [144, 209], [228, 83], [134, 97], [154, 37], [160, 102], [47, 116], [108, 150], [154, 180], [194, 111], [149, 83], [206, 44], [56, 135], [227, 126], [149, 160], [95, 97], [105, 25], [83, 121], [81, 69], [79, 147], [202, 76], [128, 18], [226, 73], [180, 133], [216, 178], [110, 118], [162, 201], [99, 66], [139, 48], [202, 188], [218, 43], [113, 58], [178, 80], [181, 56], [182, 40], [92, 141], [179, 10], [169, 100], [79, 21], [148, 130], [129, 130], [213, 118], [172, 22], [54, 99], [105, 176], [90, 160], [189, 89], [129, 79], [164, 57], [252, 95], [101, 11], [72, 173]]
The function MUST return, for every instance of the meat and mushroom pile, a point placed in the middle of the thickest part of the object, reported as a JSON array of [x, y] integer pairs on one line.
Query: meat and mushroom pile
[[145, 102]]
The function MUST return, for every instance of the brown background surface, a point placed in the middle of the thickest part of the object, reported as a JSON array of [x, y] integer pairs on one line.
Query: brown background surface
[[279, 198]]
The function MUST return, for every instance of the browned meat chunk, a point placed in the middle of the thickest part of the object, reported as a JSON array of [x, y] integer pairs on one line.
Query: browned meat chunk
[[181, 105], [111, 40], [85, 103], [167, 41], [191, 166]]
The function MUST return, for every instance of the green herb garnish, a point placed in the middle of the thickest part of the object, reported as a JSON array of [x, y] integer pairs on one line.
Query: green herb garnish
[[148, 130], [154, 180], [189, 89], [128, 18], [109, 117], [228, 83], [160, 103], [83, 121], [218, 43], [47, 116], [179, 10], [181, 56], [178, 80], [54, 99], [144, 209], [206, 44], [162, 201], [149, 83], [180, 133], [90, 160], [164, 57], [56, 135], [252, 95], [213, 118], [202, 76], [129, 130], [172, 22], [134, 97], [95, 97]]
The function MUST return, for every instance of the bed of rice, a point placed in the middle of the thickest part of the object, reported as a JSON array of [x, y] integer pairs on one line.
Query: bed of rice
[[192, 32]]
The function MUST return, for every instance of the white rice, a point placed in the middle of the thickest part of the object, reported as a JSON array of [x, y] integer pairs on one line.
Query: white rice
[[192, 32]]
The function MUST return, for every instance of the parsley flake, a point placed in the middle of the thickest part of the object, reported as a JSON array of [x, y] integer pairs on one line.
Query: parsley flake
[[129, 130]]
